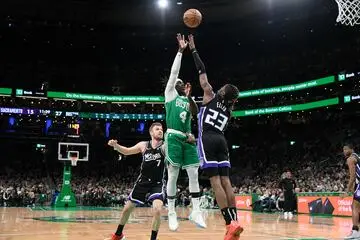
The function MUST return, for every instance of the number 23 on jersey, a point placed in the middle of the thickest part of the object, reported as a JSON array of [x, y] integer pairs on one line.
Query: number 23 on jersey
[[216, 119]]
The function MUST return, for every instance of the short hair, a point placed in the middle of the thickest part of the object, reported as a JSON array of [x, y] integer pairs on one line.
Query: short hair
[[349, 145], [154, 125], [231, 92]]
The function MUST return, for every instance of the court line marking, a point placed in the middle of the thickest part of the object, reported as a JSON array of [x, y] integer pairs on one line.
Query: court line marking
[[40, 233]]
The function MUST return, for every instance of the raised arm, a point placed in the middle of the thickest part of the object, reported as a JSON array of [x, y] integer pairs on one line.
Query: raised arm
[[193, 106], [170, 91], [204, 83], [138, 148]]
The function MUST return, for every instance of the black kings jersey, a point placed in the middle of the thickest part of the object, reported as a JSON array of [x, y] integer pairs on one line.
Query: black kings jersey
[[357, 169], [214, 116], [153, 166]]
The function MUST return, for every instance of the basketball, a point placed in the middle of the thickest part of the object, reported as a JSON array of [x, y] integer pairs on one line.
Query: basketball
[[192, 18]]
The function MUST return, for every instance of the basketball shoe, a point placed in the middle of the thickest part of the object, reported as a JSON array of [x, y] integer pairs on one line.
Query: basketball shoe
[[173, 222], [197, 218], [116, 237], [233, 231], [353, 235]]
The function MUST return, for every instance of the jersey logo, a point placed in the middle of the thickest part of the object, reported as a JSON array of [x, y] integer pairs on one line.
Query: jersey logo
[[151, 157], [182, 104]]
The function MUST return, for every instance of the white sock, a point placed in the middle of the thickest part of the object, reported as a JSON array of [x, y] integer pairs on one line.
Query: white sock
[[195, 204], [171, 205]]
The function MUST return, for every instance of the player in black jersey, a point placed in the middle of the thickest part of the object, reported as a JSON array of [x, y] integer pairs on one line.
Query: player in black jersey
[[213, 152], [150, 181], [353, 187]]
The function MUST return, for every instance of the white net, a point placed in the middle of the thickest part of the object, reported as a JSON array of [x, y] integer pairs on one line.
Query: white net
[[349, 12], [74, 161]]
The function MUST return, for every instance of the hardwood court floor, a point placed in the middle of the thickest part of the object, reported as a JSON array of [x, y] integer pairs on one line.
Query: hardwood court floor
[[91, 224]]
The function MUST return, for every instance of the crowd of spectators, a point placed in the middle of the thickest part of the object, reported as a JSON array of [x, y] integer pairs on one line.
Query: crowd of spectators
[[137, 62], [314, 158]]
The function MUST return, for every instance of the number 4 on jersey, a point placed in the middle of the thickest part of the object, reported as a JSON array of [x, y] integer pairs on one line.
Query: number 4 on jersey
[[183, 116]]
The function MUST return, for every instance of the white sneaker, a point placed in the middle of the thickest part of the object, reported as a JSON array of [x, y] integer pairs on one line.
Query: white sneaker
[[290, 215], [198, 219], [173, 222], [286, 215], [353, 235]]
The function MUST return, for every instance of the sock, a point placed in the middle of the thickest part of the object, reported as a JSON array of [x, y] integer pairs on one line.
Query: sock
[[227, 215], [233, 212], [171, 204], [153, 235], [356, 228], [119, 230], [195, 204], [195, 200]]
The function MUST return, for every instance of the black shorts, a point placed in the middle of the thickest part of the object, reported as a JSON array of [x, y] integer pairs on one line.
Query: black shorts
[[146, 187], [219, 171], [214, 154]]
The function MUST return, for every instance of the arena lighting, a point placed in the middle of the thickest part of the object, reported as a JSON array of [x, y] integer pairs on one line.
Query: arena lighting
[[11, 121], [48, 124], [163, 4], [107, 129], [141, 127]]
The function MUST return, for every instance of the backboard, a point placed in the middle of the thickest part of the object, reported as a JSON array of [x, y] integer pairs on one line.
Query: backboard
[[70, 150]]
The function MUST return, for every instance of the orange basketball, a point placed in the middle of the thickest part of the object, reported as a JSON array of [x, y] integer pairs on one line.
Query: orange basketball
[[192, 18]]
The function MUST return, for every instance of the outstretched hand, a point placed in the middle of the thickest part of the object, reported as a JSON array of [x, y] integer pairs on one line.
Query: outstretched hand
[[191, 42], [188, 89], [182, 42]]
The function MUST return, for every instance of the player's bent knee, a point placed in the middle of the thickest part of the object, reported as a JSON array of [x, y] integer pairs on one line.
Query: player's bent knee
[[157, 207]]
